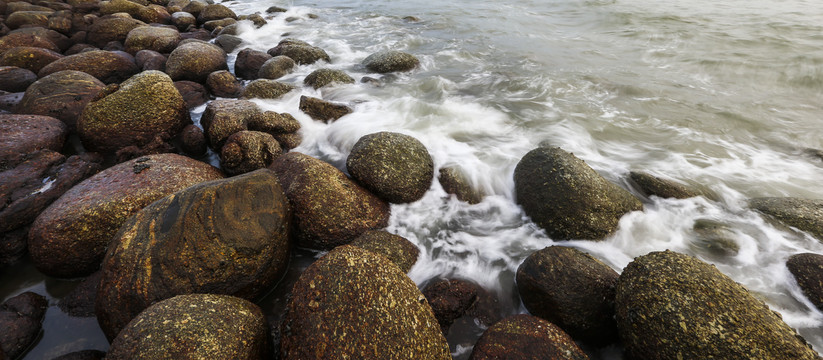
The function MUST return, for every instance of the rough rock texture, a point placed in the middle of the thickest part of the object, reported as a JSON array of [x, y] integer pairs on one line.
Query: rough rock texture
[[266, 89], [247, 151], [183, 20], [672, 306], [325, 77], [396, 167], [454, 181], [249, 63], [107, 66], [150, 60], [140, 109], [567, 198], [275, 67], [63, 95], [28, 18], [26, 39], [808, 271], [21, 135], [323, 110], [571, 289], [283, 127], [228, 42], [452, 299], [193, 141], [21, 318], [193, 94], [80, 301], [28, 57], [215, 12], [652, 185], [715, 237], [13, 245], [390, 61], [227, 236], [524, 337], [198, 326], [353, 303], [160, 39], [15, 79], [111, 28], [394, 247], [223, 118], [804, 214], [195, 61], [301, 52], [8, 102], [223, 84], [329, 208], [70, 237]]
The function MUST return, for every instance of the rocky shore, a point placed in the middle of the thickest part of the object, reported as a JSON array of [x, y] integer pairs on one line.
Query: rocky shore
[[103, 178]]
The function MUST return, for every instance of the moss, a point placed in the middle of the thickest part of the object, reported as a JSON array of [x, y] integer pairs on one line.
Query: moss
[[247, 151], [223, 118], [299, 51]]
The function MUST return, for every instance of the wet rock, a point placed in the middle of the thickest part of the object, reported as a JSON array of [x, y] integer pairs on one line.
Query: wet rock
[[390, 61], [63, 95], [452, 299], [454, 181], [80, 301], [196, 34], [571, 289], [83, 355], [223, 84], [111, 28], [808, 271], [652, 185], [195, 61], [715, 237], [249, 62], [567, 198], [15, 6], [394, 247], [114, 46], [804, 214], [15, 79], [216, 26], [301, 52], [523, 337], [193, 94], [247, 151], [9, 102], [193, 141], [133, 114], [70, 237], [283, 127], [266, 89], [21, 135], [13, 40], [156, 14], [148, 14], [183, 20], [78, 48], [160, 144], [256, 19], [61, 21], [215, 12], [195, 7], [150, 60], [671, 305], [156, 38], [325, 77], [12, 247], [329, 208], [21, 318], [28, 18], [354, 303], [28, 57], [228, 236], [223, 118], [228, 42], [323, 110], [276, 67], [107, 66], [396, 167]]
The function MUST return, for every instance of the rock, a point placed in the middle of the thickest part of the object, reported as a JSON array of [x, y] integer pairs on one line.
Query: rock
[[804, 214], [9, 102], [223, 84], [150, 60], [70, 237], [148, 14], [394, 247], [228, 236], [195, 61], [80, 301], [15, 6], [215, 12], [193, 141], [22, 135], [452, 299], [12, 247], [524, 337], [13, 40], [571, 289], [715, 237], [28, 18], [325, 77], [671, 305], [216, 26], [808, 270], [78, 48], [329, 209], [193, 94], [228, 42], [63, 95], [28, 57], [289, 141], [223, 118], [283, 127], [396, 167], [390, 61], [236, 329], [299, 51], [231, 29], [143, 107], [183, 20], [195, 7], [256, 19], [15, 79], [247, 151], [249, 62], [156, 14], [107, 66], [111, 28], [21, 318], [275, 67], [156, 38], [61, 21], [352, 303], [323, 110], [266, 89], [454, 181], [83, 355], [664, 188], [275, 9], [567, 198], [196, 34]]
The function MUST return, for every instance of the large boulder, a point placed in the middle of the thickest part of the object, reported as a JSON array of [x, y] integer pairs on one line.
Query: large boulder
[[571, 289], [14, 79], [179, 328], [29, 57], [111, 28], [249, 62], [145, 106], [325, 77], [396, 167], [21, 318], [301, 52], [223, 118], [183, 20], [664, 188], [70, 237], [160, 39], [804, 214], [329, 208], [352, 303], [390, 61], [227, 236], [670, 306], [63, 95], [266, 89], [195, 60], [322, 110], [524, 337], [21, 135], [396, 248], [247, 151], [807, 270], [107, 66], [567, 198]]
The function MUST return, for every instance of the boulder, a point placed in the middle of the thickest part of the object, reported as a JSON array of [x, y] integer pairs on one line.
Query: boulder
[[111, 28], [283, 127], [78, 48], [156, 14], [15, 79], [160, 39], [79, 302], [223, 118], [223, 84], [329, 208], [9, 101], [249, 63], [275, 67], [234, 329], [325, 77], [21, 318], [28, 18], [227, 236], [567, 198], [143, 107], [228, 42], [807, 270], [13, 246], [671, 305], [301, 52], [454, 182], [323, 110], [216, 26], [396, 167], [195, 61], [715, 238], [352, 303], [193, 141], [183, 20], [195, 7], [652, 185], [146, 13], [266, 89], [61, 41], [452, 299], [247, 151], [70, 237], [394, 247], [107, 66], [215, 12], [18, 39], [571, 289], [150, 60], [804, 214], [193, 94], [390, 61], [63, 95], [15, 6], [28, 57], [22, 135], [525, 337], [61, 21]]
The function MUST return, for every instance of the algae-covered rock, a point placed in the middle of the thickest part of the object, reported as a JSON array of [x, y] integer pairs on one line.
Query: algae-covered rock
[[183, 20], [394, 247], [284, 127], [266, 89], [107, 66], [160, 39], [223, 84], [63, 95], [525, 337], [322, 110], [325, 77], [804, 214], [28, 57], [197, 326], [807, 269], [329, 208], [195, 61], [301, 52], [275, 67], [70, 237], [111, 28], [571, 289], [673, 306], [28, 18], [215, 12], [355, 304], [390, 61], [247, 151], [396, 167], [249, 62], [567, 198], [454, 181], [664, 188], [13, 40], [223, 118]]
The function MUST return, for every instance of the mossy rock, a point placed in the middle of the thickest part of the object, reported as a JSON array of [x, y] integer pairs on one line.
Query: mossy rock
[[325, 77], [111, 28], [29, 57], [13, 40], [228, 42], [63, 95], [322, 110], [249, 62], [807, 270], [390, 61], [567, 198], [454, 182], [223, 84], [28, 18], [228, 236], [652, 185], [715, 237], [122, 6], [70, 237], [223, 118], [194, 7], [197, 326], [107, 66], [195, 61], [276, 67], [396, 248], [804, 214], [160, 39], [352, 303], [284, 127], [266, 89], [673, 306], [218, 25], [14, 79], [299, 51], [215, 12], [247, 151], [525, 337], [183, 20], [142, 108]]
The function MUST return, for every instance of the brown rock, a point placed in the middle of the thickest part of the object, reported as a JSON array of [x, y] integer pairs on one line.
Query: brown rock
[[63, 94], [452, 299], [21, 135], [326, 77], [21, 318], [111, 28], [61, 21], [13, 40], [223, 84], [196, 34], [194, 7], [228, 42], [28, 18], [9, 101], [524, 337], [80, 301], [223, 118], [664, 188], [13, 246], [193, 94], [107, 66], [275, 67], [323, 110], [808, 271], [394, 247], [28, 57], [454, 181], [247, 151], [160, 39], [150, 60], [299, 51], [78, 48], [15, 79], [195, 61], [194, 141], [183, 20], [266, 89], [216, 26], [249, 62], [215, 12]]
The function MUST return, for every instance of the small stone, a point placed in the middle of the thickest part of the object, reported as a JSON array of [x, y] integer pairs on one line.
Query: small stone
[[323, 110]]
